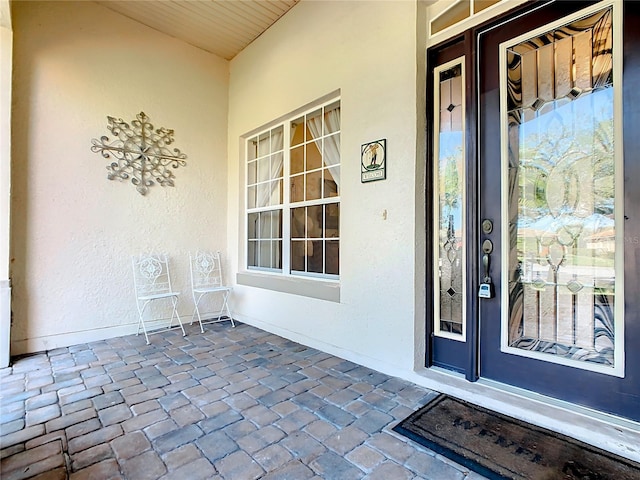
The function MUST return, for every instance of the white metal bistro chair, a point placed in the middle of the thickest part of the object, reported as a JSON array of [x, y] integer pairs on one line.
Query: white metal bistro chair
[[152, 281], [206, 278]]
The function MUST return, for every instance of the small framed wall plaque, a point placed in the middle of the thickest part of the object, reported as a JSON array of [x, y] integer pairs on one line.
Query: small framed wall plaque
[[373, 161]]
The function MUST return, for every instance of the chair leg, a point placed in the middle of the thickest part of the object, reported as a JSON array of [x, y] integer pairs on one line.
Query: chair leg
[[197, 311], [174, 301], [193, 315], [141, 322], [225, 306]]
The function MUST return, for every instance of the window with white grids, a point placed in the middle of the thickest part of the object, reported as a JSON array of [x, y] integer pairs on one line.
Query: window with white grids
[[293, 195]]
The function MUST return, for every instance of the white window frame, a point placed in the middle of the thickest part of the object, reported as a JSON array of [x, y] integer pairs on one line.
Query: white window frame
[[303, 283]]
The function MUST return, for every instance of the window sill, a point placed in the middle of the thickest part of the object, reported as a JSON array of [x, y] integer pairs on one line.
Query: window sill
[[316, 288]]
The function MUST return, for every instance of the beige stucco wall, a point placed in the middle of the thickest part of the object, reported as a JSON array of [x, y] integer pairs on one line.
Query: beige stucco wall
[[368, 51], [73, 230]]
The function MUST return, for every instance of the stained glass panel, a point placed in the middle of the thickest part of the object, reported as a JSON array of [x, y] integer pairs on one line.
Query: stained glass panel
[[561, 195], [449, 201]]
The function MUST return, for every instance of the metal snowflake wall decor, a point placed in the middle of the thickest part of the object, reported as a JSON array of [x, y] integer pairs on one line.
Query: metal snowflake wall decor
[[140, 152]]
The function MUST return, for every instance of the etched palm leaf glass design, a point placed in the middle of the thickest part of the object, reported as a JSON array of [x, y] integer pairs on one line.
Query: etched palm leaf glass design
[[449, 212], [561, 192]]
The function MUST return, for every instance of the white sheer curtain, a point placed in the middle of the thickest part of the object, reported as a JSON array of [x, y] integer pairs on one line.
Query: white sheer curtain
[[266, 192], [267, 250], [331, 153]]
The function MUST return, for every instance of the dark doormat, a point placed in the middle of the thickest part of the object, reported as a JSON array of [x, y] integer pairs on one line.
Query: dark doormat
[[500, 447]]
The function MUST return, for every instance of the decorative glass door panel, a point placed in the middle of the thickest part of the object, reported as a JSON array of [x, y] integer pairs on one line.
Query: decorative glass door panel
[[561, 209], [449, 200]]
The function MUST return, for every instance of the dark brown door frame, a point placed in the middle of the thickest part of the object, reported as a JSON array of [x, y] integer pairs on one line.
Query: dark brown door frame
[[450, 354]]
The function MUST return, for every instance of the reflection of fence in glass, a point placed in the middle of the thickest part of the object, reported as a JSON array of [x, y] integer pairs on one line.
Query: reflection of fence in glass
[[451, 279], [562, 277]]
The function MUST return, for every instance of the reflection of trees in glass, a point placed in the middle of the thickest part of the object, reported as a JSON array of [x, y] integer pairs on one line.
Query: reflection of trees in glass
[[450, 176], [562, 145], [604, 167], [451, 194]]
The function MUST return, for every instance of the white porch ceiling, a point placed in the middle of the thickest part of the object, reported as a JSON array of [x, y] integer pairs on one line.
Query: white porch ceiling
[[221, 27]]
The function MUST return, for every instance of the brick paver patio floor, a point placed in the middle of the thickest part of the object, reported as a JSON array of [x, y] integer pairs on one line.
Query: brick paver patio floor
[[230, 404]]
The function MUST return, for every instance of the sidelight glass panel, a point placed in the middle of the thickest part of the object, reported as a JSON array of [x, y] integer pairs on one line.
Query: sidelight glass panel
[[449, 180], [560, 196]]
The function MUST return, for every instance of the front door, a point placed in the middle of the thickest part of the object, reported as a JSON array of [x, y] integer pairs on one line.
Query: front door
[[553, 229]]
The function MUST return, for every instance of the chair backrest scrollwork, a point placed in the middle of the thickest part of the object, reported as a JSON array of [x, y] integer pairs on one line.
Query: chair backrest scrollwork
[[206, 270], [151, 274]]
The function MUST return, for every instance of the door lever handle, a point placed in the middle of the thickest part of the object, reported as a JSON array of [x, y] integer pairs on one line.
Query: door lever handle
[[486, 287], [485, 263], [487, 248]]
